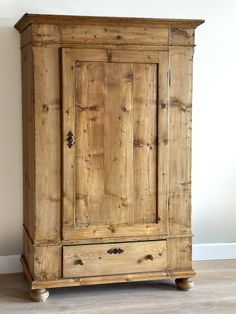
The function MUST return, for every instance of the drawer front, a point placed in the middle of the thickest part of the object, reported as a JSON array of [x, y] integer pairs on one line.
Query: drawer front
[[113, 258]]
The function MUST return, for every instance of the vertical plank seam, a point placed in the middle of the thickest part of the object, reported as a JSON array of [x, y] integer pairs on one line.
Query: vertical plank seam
[[74, 181], [157, 135], [133, 104], [34, 148], [61, 152], [168, 149]]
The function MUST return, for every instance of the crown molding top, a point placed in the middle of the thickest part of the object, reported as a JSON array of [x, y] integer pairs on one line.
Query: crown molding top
[[28, 19]]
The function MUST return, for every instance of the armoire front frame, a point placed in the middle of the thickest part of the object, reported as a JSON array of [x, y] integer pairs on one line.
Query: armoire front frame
[[42, 43]]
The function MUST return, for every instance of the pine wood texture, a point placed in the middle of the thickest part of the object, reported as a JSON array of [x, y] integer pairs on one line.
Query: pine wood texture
[[83, 30], [28, 119], [47, 144], [112, 168], [44, 262], [163, 142], [114, 35], [97, 280], [179, 261], [180, 126], [41, 143], [28, 19], [107, 149], [110, 259]]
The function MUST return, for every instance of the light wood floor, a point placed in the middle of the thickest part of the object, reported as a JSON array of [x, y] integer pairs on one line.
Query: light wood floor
[[215, 292]]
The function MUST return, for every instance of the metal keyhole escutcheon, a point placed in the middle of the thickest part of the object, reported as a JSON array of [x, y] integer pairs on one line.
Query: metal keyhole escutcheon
[[70, 139]]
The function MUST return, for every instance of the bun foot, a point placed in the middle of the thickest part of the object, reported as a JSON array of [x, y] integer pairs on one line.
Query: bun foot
[[38, 295], [184, 283]]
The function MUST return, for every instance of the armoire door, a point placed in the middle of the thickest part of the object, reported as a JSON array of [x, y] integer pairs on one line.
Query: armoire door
[[111, 179]]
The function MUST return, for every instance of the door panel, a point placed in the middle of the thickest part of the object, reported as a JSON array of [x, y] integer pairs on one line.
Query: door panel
[[144, 143], [118, 146], [110, 173], [89, 146]]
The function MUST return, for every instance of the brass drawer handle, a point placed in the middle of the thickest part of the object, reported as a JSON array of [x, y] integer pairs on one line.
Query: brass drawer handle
[[79, 262], [115, 251]]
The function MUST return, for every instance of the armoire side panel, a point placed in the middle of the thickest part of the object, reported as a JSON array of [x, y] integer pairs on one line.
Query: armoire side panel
[[28, 116], [44, 261], [28, 250], [26, 37], [47, 144], [47, 262], [179, 254]]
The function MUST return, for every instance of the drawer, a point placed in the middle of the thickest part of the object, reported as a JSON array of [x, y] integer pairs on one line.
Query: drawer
[[113, 258]]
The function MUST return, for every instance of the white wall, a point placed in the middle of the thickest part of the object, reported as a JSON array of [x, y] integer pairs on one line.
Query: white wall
[[214, 108]]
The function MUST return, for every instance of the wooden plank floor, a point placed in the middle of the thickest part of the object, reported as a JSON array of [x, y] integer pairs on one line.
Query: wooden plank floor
[[215, 292]]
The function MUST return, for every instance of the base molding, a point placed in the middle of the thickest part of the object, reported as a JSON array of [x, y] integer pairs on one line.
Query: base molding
[[85, 281]]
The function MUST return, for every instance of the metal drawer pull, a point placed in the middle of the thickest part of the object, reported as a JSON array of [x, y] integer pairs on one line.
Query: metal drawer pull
[[115, 251], [79, 262], [150, 257]]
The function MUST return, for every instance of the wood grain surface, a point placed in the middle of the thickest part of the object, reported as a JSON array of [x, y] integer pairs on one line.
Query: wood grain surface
[[110, 259], [110, 173], [28, 19]]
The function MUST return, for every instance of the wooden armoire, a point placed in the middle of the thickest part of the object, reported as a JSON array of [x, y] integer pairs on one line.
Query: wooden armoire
[[106, 149]]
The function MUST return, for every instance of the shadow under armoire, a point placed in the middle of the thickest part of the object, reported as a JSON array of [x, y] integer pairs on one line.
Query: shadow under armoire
[[107, 150]]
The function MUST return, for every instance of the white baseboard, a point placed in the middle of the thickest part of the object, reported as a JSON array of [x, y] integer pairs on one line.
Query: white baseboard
[[214, 251], [10, 264], [209, 251]]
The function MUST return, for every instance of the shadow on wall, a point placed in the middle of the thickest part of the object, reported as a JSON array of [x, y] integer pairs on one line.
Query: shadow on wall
[[11, 140]]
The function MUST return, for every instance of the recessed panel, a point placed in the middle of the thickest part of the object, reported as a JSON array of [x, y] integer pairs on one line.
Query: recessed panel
[[115, 152]]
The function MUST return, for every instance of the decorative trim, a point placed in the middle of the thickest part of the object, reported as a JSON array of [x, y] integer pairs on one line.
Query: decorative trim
[[207, 251], [214, 251], [28, 19]]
